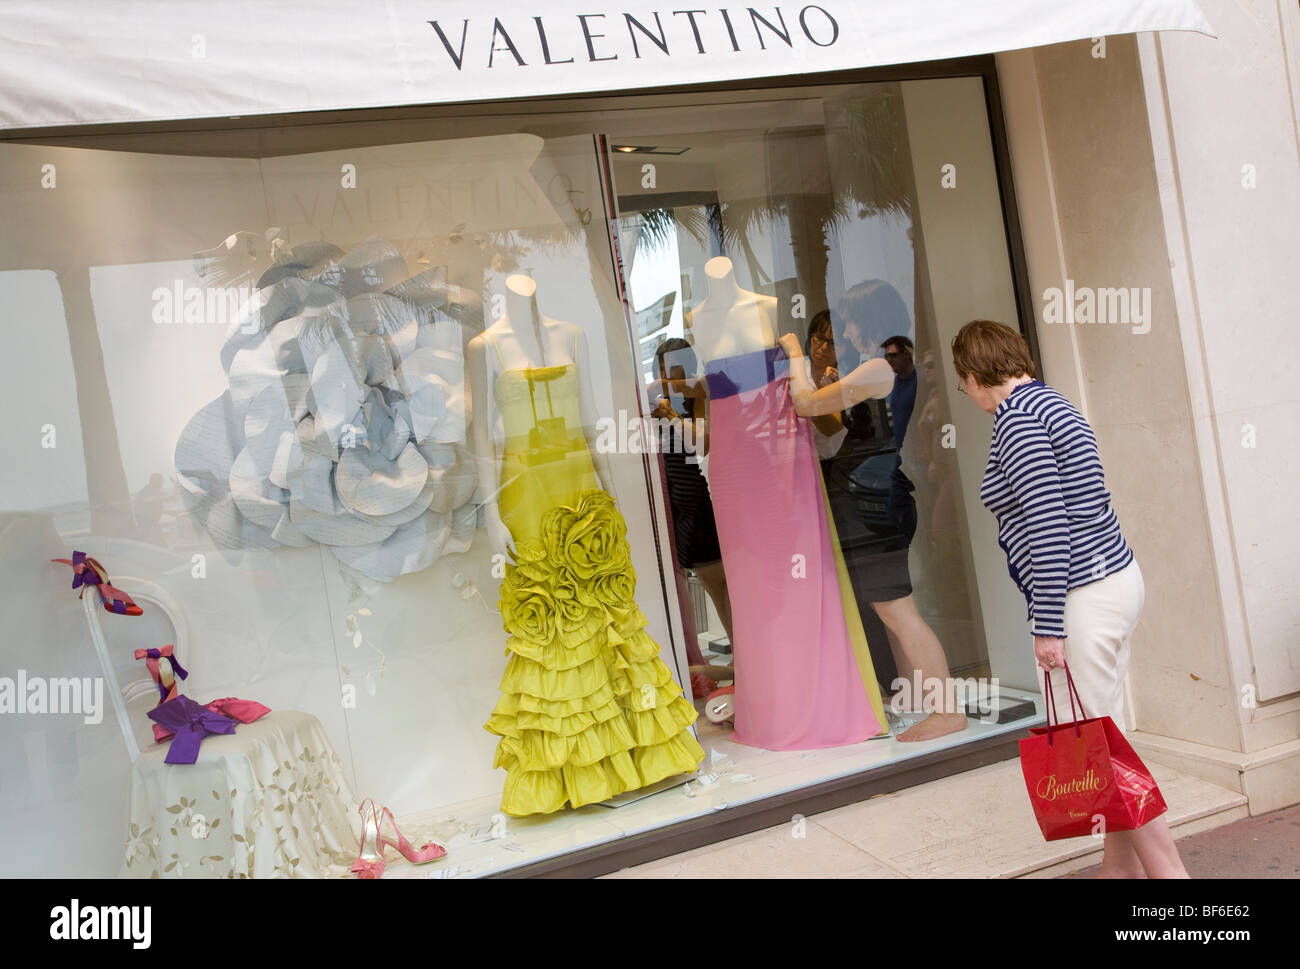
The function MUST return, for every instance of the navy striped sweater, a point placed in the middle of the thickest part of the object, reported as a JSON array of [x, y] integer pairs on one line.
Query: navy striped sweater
[[1044, 483]]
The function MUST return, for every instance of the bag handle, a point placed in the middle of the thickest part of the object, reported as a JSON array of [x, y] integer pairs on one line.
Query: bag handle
[[1074, 692], [1053, 720], [1049, 702]]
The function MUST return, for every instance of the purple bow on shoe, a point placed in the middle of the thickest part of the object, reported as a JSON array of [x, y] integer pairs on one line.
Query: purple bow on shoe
[[190, 722], [82, 574]]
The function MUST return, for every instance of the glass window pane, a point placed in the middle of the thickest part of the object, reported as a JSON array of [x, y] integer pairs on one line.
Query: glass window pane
[[306, 383]]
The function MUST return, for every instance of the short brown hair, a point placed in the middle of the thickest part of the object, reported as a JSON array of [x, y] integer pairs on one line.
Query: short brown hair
[[991, 352]]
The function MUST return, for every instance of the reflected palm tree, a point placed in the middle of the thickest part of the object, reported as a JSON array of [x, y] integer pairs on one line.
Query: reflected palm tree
[[862, 152]]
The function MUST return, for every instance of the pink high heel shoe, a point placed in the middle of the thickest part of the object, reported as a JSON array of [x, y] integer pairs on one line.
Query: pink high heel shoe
[[370, 857], [430, 851], [88, 572]]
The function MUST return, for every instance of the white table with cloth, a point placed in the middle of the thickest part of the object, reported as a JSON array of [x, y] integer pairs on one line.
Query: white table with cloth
[[270, 800]]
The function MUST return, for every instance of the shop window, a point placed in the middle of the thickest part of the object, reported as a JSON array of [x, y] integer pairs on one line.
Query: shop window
[[335, 394]]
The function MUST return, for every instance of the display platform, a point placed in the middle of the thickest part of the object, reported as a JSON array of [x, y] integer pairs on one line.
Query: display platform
[[481, 842]]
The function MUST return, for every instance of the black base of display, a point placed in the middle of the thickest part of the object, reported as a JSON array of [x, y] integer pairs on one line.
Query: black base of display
[[721, 647], [1017, 710], [764, 813]]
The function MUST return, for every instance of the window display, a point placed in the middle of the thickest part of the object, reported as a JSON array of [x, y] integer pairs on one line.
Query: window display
[[432, 438]]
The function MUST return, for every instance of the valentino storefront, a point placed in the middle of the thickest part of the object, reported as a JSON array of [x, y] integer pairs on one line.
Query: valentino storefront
[[406, 388]]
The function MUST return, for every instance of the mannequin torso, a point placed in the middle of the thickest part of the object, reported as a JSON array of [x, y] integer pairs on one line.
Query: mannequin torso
[[525, 349], [731, 320], [523, 337]]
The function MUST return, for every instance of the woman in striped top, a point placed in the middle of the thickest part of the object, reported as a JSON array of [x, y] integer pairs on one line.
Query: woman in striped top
[[1064, 548]]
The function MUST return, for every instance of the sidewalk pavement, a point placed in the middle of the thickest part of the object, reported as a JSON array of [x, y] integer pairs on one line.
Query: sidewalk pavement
[[979, 824], [1267, 846]]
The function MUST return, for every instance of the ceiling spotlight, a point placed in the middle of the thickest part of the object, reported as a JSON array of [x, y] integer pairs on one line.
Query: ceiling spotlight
[[651, 149]]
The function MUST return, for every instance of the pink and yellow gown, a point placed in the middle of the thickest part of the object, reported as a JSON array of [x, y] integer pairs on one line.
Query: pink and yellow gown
[[804, 677]]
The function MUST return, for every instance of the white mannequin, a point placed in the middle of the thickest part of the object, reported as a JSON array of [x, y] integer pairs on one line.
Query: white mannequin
[[731, 320], [525, 339]]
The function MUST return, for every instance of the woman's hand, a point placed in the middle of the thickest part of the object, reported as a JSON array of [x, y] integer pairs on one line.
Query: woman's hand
[[664, 410], [1050, 651], [829, 376], [790, 344]]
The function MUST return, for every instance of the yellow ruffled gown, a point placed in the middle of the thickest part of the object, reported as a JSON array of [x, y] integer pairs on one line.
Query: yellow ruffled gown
[[587, 710]]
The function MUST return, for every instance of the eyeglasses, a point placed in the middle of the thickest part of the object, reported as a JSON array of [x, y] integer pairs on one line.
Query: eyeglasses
[[962, 388]]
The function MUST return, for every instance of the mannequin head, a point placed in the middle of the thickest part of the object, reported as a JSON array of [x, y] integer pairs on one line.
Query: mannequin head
[[719, 267], [521, 301], [522, 285]]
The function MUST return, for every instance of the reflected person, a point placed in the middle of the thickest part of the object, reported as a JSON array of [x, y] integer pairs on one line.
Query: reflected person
[[901, 507], [871, 312], [843, 440], [695, 532]]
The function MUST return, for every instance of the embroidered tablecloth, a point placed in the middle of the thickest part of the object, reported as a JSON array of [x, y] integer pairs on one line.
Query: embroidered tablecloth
[[270, 800]]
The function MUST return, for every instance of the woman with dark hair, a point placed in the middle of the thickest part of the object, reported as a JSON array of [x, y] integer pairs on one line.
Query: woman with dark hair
[[820, 348], [1065, 551], [872, 312]]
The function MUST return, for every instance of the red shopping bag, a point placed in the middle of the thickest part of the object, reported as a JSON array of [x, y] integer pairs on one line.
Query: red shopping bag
[[1085, 772]]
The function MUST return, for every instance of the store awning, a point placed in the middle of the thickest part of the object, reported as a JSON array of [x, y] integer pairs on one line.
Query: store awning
[[87, 62]]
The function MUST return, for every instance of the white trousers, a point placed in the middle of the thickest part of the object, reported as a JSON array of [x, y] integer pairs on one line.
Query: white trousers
[[1099, 622]]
